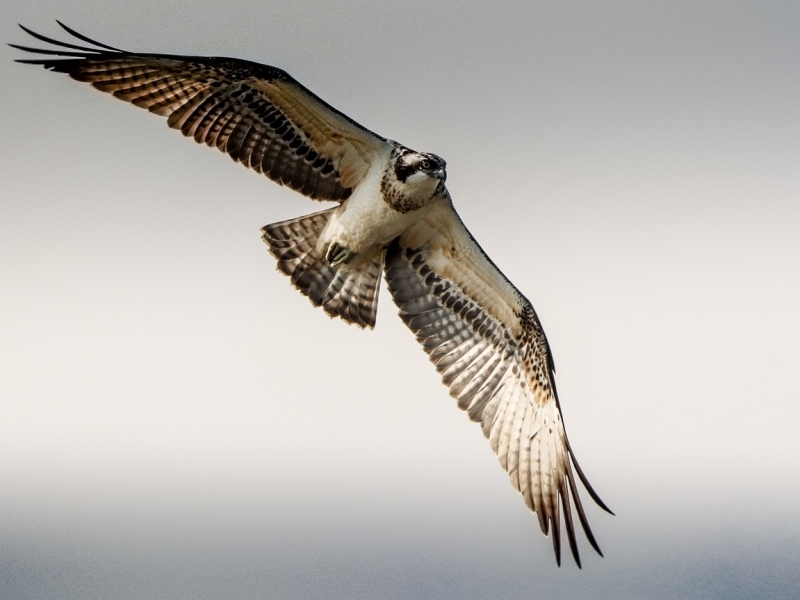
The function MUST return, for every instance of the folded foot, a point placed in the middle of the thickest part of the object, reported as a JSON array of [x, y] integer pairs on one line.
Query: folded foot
[[338, 255]]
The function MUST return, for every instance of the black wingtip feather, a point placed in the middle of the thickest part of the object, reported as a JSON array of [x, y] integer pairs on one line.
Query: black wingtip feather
[[55, 42], [49, 52], [585, 481], [88, 40], [556, 528], [582, 515], [70, 51], [568, 522]]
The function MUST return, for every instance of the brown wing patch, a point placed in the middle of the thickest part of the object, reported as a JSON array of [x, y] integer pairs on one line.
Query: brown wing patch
[[257, 114], [330, 134]]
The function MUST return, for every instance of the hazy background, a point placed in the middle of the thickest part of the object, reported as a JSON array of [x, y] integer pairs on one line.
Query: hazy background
[[177, 422]]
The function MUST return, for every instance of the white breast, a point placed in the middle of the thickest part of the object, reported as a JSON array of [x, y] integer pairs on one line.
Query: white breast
[[365, 220]]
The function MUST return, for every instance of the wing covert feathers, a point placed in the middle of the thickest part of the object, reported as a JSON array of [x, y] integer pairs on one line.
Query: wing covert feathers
[[497, 367], [349, 293], [257, 114]]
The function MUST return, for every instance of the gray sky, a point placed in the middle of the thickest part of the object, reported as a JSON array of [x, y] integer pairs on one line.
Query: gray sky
[[178, 422]]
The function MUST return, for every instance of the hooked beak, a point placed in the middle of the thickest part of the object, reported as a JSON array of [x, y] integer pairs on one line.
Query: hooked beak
[[440, 174]]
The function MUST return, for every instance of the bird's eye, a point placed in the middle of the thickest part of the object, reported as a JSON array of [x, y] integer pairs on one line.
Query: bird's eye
[[425, 164]]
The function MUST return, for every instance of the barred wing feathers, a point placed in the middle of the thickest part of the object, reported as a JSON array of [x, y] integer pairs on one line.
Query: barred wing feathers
[[257, 114], [489, 347]]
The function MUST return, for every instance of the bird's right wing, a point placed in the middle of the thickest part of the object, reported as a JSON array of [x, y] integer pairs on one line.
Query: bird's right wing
[[486, 341], [257, 114]]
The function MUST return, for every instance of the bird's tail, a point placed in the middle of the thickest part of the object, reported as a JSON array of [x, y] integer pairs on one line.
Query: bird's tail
[[347, 292]]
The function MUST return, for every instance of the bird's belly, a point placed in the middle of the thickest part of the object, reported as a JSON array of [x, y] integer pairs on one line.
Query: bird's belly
[[366, 224]]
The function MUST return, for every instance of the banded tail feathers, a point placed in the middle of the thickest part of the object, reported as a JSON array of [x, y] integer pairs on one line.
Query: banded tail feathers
[[348, 292]]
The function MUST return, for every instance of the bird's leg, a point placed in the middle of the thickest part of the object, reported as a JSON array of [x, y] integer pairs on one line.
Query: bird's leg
[[338, 255]]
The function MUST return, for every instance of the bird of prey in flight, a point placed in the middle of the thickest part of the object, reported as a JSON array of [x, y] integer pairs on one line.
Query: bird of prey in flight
[[394, 216]]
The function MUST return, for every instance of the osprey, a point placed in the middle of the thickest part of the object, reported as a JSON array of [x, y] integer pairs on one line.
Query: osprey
[[394, 216]]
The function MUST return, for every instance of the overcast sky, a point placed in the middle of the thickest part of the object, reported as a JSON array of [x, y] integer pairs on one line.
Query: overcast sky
[[176, 421]]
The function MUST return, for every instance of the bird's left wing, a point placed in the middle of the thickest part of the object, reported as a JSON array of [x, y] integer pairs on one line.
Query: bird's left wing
[[487, 343], [257, 114]]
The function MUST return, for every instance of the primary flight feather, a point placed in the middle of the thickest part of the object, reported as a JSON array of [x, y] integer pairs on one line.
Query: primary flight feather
[[394, 217]]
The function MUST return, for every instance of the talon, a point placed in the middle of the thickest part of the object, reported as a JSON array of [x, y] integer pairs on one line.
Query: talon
[[338, 255]]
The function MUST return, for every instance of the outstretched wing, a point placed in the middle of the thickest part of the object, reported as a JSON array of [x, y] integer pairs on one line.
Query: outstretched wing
[[486, 341], [257, 114]]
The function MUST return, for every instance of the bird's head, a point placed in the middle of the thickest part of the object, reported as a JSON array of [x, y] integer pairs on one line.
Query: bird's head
[[419, 168], [414, 179]]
